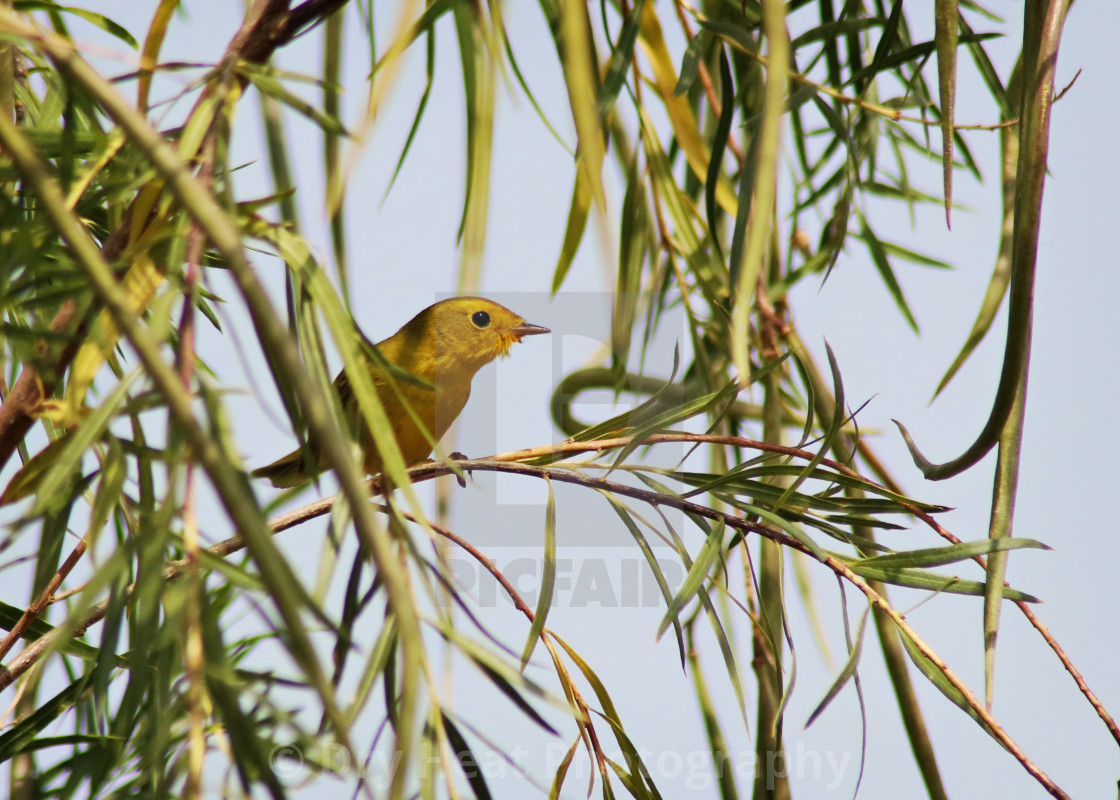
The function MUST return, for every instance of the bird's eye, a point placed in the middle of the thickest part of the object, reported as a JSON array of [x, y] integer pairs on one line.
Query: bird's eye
[[480, 319]]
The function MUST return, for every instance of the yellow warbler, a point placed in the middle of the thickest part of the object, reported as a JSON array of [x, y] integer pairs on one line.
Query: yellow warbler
[[444, 345]]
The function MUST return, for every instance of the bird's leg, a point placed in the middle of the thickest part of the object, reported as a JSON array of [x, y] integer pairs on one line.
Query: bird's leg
[[457, 456]]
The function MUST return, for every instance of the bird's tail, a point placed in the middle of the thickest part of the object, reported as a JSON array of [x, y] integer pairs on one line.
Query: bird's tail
[[291, 470]]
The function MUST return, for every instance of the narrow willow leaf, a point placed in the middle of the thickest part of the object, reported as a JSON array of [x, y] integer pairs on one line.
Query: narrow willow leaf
[[266, 82], [247, 749], [690, 64], [141, 282], [51, 470], [938, 679], [470, 765], [25, 482], [16, 739], [573, 231], [906, 254], [719, 145], [1000, 528], [562, 771], [690, 234], [610, 713], [506, 679], [828, 32], [200, 121], [830, 435], [651, 561], [429, 65], [512, 60], [916, 53], [634, 234], [10, 615], [846, 673], [737, 35], [920, 579], [352, 604], [631, 779], [738, 482], [1001, 272], [582, 78], [51, 143], [717, 743], [673, 416], [479, 85], [710, 552], [936, 556], [428, 753], [887, 39], [619, 63], [680, 112], [153, 42], [100, 20], [882, 263], [114, 470], [425, 23], [786, 526], [987, 71], [548, 578], [946, 34]]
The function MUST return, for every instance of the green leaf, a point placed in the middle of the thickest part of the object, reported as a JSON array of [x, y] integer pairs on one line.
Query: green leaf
[[430, 58], [573, 231], [946, 34], [936, 556], [548, 579], [619, 63], [266, 81], [49, 473], [18, 739], [470, 765], [846, 672], [920, 579], [938, 679], [710, 553], [883, 264], [505, 678], [651, 560], [10, 616], [100, 20], [690, 64]]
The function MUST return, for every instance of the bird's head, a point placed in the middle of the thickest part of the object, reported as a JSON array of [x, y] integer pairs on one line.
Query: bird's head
[[470, 332]]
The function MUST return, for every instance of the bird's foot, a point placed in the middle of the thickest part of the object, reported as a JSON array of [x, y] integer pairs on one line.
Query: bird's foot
[[457, 456]]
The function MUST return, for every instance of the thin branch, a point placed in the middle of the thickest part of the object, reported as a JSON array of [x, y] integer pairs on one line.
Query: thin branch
[[45, 598], [22, 662]]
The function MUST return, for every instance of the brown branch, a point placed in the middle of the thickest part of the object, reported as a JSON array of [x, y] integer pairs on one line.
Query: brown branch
[[45, 598], [506, 463], [500, 464], [872, 460], [304, 16]]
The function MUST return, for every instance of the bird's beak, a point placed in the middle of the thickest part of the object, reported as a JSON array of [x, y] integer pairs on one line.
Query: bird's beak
[[526, 329]]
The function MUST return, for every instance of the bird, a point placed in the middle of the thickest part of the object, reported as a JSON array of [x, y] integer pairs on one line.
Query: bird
[[444, 346]]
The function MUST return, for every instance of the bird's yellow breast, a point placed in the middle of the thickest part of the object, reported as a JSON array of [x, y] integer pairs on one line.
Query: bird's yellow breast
[[432, 414]]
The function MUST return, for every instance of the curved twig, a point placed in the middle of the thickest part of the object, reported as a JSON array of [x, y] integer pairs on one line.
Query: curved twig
[[1041, 36]]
